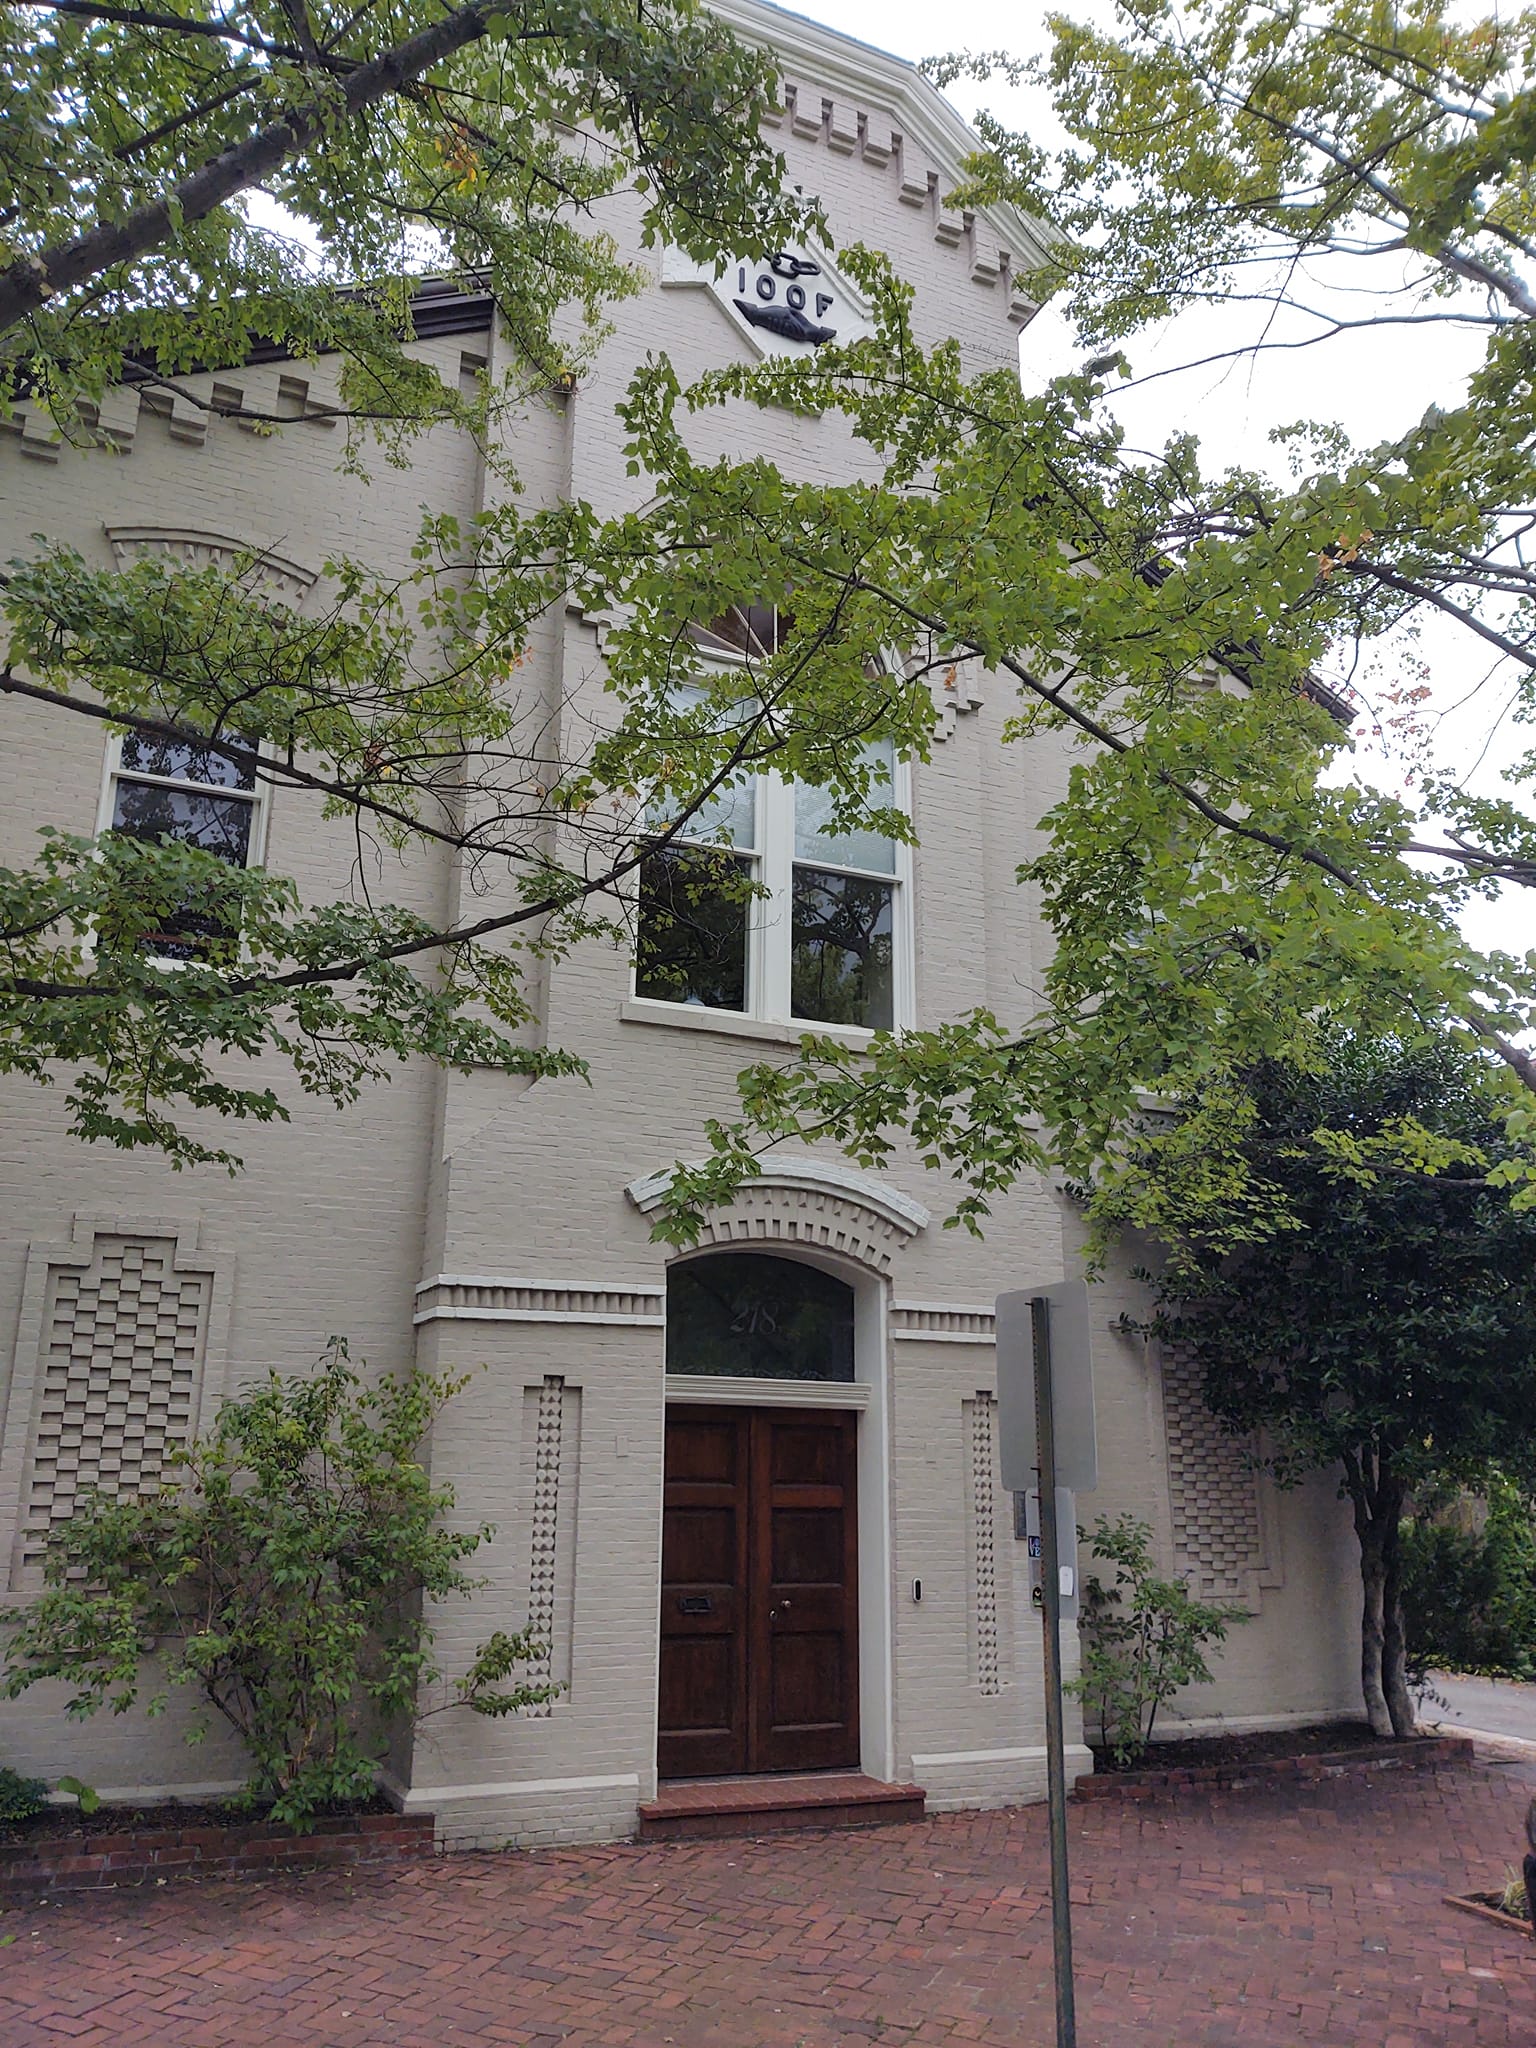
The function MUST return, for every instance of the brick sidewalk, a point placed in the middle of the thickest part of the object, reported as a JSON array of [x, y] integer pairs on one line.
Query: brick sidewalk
[[1260, 1919]]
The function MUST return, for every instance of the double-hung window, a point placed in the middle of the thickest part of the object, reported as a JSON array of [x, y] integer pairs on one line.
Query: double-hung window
[[162, 789], [763, 910]]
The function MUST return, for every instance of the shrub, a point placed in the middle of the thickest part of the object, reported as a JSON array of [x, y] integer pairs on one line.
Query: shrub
[[20, 1797], [1469, 1602], [1142, 1637], [282, 1574]]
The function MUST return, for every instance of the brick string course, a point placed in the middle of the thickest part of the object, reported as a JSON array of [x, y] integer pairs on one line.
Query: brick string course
[[1277, 1916]]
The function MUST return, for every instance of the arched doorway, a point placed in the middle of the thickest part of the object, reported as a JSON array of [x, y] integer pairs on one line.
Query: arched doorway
[[759, 1653]]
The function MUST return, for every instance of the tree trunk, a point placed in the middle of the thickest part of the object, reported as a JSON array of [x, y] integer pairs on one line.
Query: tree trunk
[[1394, 1652], [1377, 1495], [1373, 1630]]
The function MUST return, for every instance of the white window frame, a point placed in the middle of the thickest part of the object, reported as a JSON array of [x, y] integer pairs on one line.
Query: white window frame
[[113, 772], [774, 861]]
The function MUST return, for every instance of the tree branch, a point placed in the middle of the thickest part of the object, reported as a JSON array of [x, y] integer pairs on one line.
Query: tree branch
[[174, 24], [29, 282]]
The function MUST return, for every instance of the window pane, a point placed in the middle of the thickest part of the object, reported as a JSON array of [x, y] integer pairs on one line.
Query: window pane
[[220, 825], [729, 819], [742, 1315], [691, 946], [840, 962], [815, 841], [187, 762]]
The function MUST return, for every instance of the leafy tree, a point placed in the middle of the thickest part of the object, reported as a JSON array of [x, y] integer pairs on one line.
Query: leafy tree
[[1336, 169], [1469, 1598], [281, 1574], [1362, 1317], [476, 139], [1208, 895], [1209, 887]]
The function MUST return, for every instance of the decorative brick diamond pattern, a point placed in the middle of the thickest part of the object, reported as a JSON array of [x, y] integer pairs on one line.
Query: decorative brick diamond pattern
[[123, 1346], [1217, 1530], [545, 1529], [986, 1631]]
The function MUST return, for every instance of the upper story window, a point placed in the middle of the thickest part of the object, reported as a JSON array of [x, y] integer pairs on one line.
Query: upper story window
[[761, 908], [163, 789]]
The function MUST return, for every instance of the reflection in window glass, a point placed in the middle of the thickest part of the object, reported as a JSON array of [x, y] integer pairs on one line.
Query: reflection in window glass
[[818, 940], [842, 949], [727, 819], [691, 945], [745, 1315], [150, 811], [184, 761], [815, 841], [166, 790]]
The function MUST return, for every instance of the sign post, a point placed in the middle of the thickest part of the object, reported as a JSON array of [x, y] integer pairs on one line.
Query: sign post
[[1046, 1425], [1055, 1753]]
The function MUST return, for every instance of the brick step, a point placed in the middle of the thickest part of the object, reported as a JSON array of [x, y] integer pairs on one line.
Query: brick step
[[688, 1808]]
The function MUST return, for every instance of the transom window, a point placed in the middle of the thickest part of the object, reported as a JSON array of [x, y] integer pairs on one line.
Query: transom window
[[162, 789], [762, 908], [748, 1315]]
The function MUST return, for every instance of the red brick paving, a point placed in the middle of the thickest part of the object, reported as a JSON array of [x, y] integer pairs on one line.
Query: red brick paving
[[1266, 1918]]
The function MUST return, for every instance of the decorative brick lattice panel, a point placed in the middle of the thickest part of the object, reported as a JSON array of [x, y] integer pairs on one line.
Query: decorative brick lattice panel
[[986, 1630], [552, 1445], [545, 1529], [1217, 1529], [123, 1343]]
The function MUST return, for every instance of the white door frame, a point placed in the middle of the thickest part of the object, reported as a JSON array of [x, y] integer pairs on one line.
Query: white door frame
[[869, 1397]]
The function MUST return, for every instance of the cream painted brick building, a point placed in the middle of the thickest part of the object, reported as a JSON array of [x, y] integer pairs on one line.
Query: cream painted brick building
[[471, 1222]]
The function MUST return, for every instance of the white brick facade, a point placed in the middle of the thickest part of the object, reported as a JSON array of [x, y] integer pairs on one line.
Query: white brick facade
[[482, 1225]]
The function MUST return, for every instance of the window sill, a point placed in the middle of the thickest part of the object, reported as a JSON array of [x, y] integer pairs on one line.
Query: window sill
[[728, 1024]]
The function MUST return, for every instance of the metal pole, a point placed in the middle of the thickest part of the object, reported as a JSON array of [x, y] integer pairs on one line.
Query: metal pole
[[1055, 1757]]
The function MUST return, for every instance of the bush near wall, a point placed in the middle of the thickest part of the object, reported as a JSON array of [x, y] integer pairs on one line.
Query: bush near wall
[[1469, 1598]]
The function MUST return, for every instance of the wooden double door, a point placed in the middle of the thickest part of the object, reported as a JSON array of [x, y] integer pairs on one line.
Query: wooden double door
[[759, 1592]]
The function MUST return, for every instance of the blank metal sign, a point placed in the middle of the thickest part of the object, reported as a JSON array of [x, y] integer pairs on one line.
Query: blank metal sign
[[1077, 1448]]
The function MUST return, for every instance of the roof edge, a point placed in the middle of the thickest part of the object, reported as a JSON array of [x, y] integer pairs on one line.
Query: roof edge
[[926, 115]]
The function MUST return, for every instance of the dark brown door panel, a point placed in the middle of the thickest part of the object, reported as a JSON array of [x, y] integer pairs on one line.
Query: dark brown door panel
[[759, 1598]]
